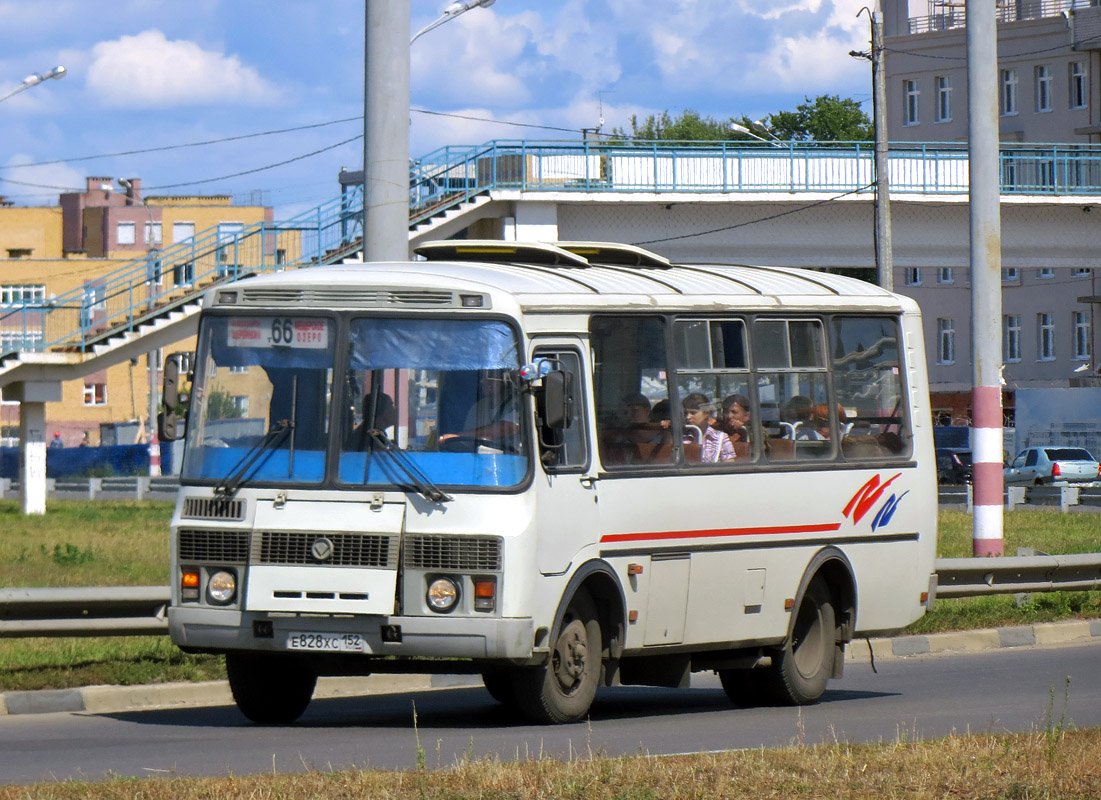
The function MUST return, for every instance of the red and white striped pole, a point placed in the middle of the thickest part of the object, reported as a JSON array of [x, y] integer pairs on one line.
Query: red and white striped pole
[[986, 278], [154, 455]]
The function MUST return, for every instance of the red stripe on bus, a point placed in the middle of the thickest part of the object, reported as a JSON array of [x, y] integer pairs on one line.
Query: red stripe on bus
[[665, 535]]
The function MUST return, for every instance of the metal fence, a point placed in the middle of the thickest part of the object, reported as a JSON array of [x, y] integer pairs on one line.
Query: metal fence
[[140, 610]]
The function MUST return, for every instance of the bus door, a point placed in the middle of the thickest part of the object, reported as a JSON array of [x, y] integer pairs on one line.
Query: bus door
[[565, 494]]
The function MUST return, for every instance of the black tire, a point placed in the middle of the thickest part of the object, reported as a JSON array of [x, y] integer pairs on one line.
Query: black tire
[[746, 688], [270, 689], [563, 690], [501, 687], [800, 670]]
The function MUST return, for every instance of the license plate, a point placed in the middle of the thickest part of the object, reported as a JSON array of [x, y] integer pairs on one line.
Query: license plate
[[327, 642]]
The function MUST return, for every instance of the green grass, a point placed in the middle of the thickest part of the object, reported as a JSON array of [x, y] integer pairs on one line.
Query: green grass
[[85, 543], [94, 543]]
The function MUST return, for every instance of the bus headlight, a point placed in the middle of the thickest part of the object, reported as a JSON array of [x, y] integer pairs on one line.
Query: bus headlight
[[443, 594], [221, 587]]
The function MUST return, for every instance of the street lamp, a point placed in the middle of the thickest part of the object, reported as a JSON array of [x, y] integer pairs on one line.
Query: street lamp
[[151, 356], [773, 141], [34, 80], [449, 13]]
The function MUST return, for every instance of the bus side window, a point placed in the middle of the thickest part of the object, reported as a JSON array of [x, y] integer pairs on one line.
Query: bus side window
[[565, 448], [869, 387], [634, 420], [792, 388]]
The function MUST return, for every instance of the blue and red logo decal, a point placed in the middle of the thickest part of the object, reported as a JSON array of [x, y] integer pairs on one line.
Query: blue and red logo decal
[[869, 495]]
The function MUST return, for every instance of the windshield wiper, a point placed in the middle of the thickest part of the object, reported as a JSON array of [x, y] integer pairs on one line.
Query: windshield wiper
[[229, 485], [420, 481]]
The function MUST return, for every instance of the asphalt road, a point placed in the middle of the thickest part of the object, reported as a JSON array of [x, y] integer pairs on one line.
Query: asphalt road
[[1014, 689]]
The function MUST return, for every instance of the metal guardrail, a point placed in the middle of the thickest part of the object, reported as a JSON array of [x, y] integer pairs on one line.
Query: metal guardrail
[[974, 577], [140, 610], [84, 611]]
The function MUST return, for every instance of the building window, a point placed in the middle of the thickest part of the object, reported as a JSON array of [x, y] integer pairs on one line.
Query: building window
[[182, 231], [1078, 88], [1009, 91], [1043, 88], [1010, 274], [946, 341], [1045, 272], [240, 402], [20, 252], [238, 370], [944, 98], [1080, 272], [126, 233], [1012, 344], [1045, 331], [1082, 337], [944, 275], [19, 293], [95, 394], [913, 276], [152, 233], [910, 92]]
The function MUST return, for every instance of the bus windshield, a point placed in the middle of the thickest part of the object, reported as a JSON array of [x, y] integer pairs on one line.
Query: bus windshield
[[422, 403]]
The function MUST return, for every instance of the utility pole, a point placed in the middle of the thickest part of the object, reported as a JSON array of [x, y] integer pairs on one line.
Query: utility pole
[[884, 257], [386, 131], [986, 285]]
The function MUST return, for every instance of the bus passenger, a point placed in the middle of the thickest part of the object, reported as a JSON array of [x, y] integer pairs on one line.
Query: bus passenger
[[735, 421], [699, 414]]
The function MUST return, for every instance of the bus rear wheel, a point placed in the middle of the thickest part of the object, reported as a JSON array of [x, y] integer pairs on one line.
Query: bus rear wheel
[[800, 670], [270, 689], [563, 689]]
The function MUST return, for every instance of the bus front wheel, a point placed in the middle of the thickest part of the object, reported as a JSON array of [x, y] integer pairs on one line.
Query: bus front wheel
[[800, 670], [563, 689], [270, 689]]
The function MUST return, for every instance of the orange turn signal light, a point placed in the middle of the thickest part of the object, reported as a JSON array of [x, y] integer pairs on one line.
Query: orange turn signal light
[[485, 588], [190, 580]]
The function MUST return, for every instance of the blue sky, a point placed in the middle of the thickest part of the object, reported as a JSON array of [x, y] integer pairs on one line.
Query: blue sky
[[146, 74]]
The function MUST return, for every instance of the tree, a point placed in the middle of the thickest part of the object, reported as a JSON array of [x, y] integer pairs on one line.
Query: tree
[[690, 126], [827, 118]]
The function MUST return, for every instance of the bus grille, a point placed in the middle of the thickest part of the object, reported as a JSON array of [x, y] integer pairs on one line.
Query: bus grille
[[474, 553], [220, 546], [348, 549], [346, 297], [213, 508]]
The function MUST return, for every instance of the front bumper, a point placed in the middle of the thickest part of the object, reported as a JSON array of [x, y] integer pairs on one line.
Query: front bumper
[[491, 638]]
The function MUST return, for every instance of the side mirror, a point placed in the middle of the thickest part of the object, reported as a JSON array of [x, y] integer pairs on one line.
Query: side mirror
[[175, 365], [556, 399]]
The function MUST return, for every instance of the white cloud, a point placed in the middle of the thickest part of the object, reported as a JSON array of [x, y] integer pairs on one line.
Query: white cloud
[[474, 58], [149, 70]]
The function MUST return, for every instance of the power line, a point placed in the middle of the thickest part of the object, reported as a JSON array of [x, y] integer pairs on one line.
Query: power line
[[258, 169], [761, 219], [166, 147]]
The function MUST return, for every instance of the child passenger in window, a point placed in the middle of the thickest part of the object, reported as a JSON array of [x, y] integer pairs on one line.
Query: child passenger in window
[[699, 414]]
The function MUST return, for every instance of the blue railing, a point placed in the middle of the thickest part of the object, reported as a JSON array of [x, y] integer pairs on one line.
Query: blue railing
[[454, 174], [121, 300]]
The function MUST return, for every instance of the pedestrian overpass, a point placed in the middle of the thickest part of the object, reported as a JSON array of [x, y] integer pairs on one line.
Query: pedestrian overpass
[[804, 205]]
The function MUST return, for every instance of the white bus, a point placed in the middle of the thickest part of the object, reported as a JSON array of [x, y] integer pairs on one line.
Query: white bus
[[560, 466]]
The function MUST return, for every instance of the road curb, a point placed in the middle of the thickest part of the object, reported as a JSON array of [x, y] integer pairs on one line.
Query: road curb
[[1043, 633], [114, 699]]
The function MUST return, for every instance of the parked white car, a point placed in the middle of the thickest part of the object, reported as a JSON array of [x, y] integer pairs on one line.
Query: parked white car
[[1037, 466]]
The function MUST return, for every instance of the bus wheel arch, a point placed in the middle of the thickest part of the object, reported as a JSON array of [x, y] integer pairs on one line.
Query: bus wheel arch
[[587, 634], [822, 621]]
